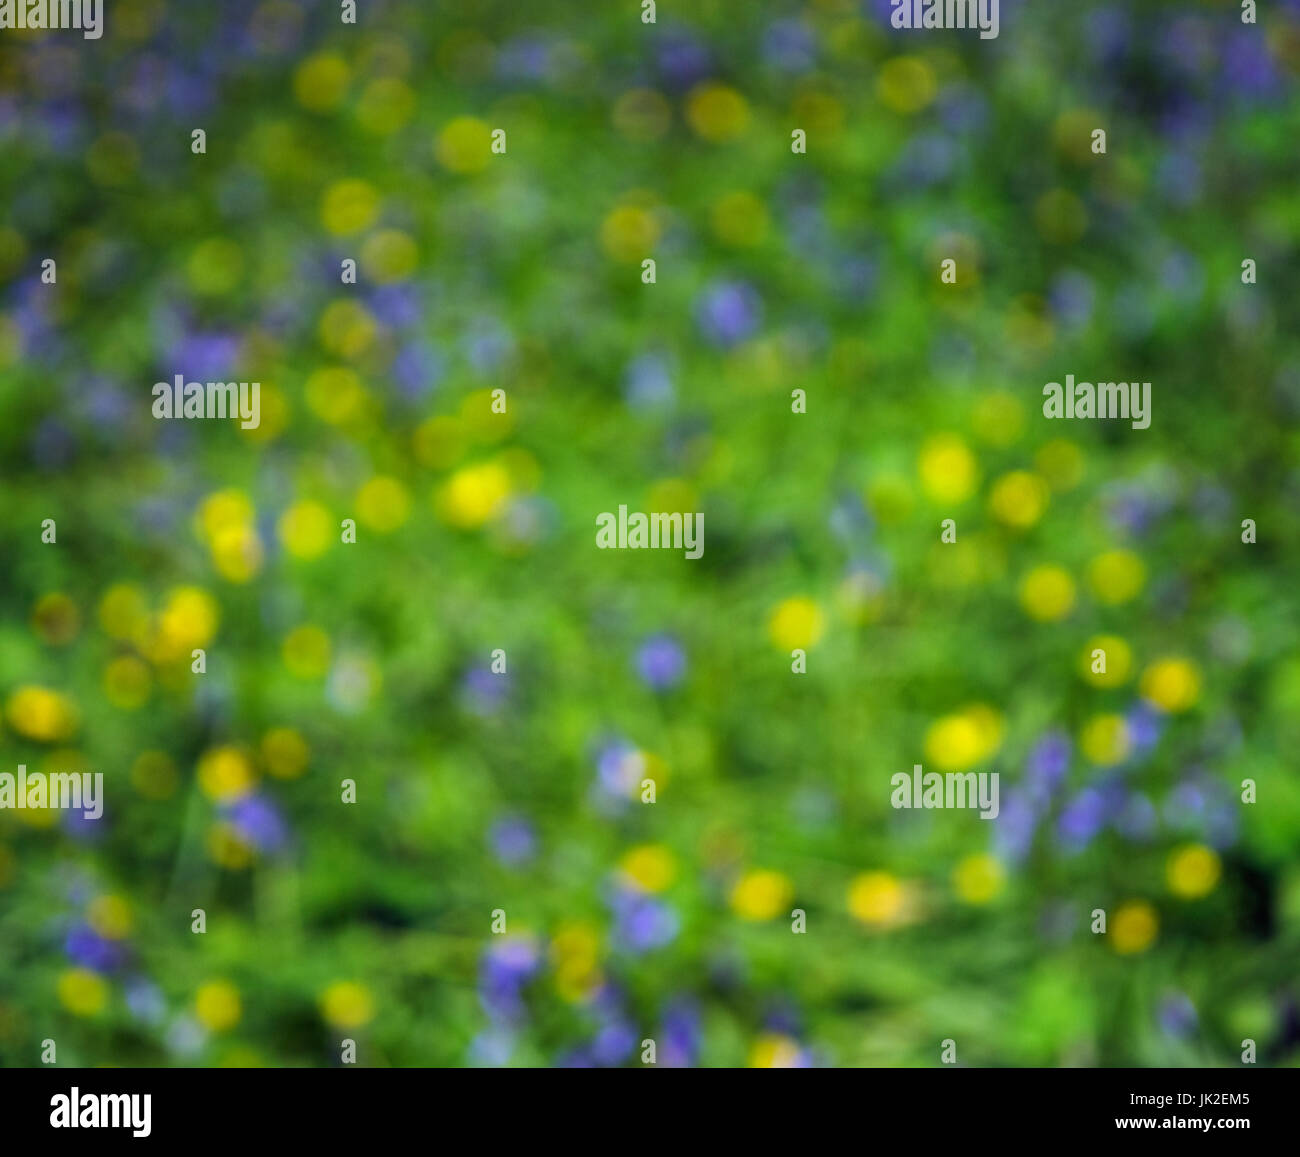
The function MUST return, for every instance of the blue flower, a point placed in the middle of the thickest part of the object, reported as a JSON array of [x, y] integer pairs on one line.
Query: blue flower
[[729, 312], [661, 662]]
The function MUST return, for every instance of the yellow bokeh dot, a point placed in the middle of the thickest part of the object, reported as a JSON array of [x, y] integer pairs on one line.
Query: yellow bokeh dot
[[906, 84], [1172, 684], [349, 206], [1116, 657], [127, 682], [346, 328], [237, 553], [1018, 499], [1060, 462], [464, 146], [124, 612], [439, 442], [1047, 593], [717, 112], [335, 393], [306, 652], [761, 895], [224, 510], [739, 219], [41, 714], [1192, 871], [1116, 577], [82, 992], [189, 619], [948, 469], [389, 255], [306, 529], [284, 753], [383, 504], [629, 233], [774, 1051], [55, 619], [111, 917], [877, 899], [386, 104], [154, 775], [321, 82], [650, 867], [225, 774], [228, 848], [473, 495], [641, 114], [1133, 928], [1105, 740], [956, 742], [978, 879], [347, 1004], [217, 1005], [796, 624]]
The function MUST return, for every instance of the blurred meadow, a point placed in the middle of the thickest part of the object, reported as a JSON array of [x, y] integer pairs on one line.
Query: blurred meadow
[[775, 271]]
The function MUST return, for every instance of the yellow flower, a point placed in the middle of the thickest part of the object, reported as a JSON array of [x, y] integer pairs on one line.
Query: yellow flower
[[1133, 928], [284, 752], [41, 714], [346, 1004], [796, 624], [1116, 576], [349, 206], [1118, 657], [1105, 740], [473, 495], [877, 899], [1047, 593], [464, 145], [978, 879], [225, 774], [321, 82], [739, 219], [127, 683], [574, 951], [906, 84], [389, 255], [1192, 871], [217, 1005], [956, 742], [56, 620], [1171, 684], [383, 504], [82, 992], [761, 895], [629, 233], [306, 529], [111, 917], [306, 652], [716, 112], [224, 510], [650, 867], [154, 775], [948, 469], [1018, 499], [774, 1051]]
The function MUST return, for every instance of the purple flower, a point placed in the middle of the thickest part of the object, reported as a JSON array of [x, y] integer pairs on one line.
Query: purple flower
[[790, 46], [1046, 765], [1013, 832], [484, 692], [614, 1042], [1138, 820], [512, 840], [683, 60], [641, 922], [679, 1035], [201, 357], [1177, 1015], [648, 382], [661, 662], [1144, 726], [728, 312], [1081, 819], [84, 946], [1071, 298], [507, 966], [258, 823]]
